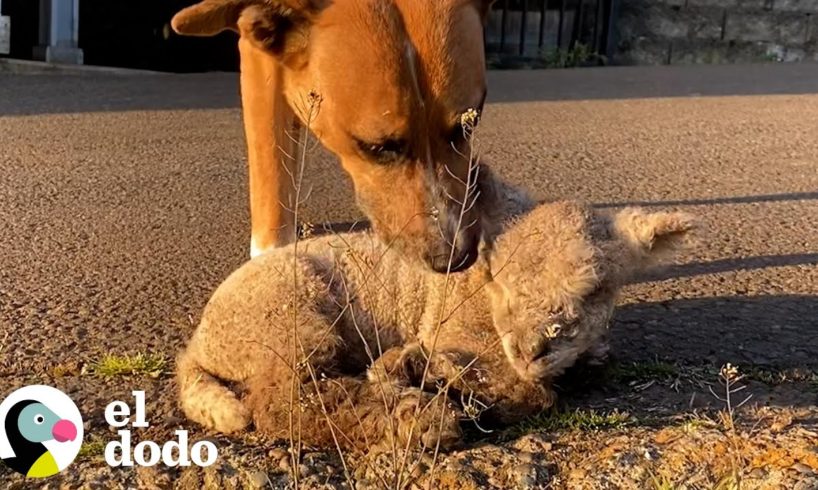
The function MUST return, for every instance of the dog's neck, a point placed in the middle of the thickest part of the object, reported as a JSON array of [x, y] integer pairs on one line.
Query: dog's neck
[[500, 203]]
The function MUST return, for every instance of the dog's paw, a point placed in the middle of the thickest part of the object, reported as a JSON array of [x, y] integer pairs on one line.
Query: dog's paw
[[427, 419]]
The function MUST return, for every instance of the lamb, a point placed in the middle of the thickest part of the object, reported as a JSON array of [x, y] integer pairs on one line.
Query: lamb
[[338, 340]]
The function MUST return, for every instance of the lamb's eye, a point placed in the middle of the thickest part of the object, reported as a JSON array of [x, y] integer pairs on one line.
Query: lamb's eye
[[387, 151], [39, 419]]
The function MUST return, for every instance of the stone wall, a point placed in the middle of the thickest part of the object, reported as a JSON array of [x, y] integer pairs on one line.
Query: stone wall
[[716, 31]]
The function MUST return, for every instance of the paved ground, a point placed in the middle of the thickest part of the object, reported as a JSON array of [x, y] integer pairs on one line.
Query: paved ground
[[123, 204]]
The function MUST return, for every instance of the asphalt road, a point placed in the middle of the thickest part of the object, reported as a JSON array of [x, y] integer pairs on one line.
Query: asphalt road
[[123, 203]]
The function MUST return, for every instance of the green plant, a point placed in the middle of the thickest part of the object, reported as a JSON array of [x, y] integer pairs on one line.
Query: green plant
[[773, 376], [644, 371], [579, 55], [152, 365], [580, 420]]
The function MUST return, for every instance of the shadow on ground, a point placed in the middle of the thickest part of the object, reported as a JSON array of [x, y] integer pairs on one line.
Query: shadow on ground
[[639, 82], [769, 330], [785, 197], [732, 264], [58, 93], [31, 94]]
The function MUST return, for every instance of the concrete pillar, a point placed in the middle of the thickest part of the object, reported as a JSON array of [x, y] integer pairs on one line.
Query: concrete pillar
[[5, 32], [59, 32]]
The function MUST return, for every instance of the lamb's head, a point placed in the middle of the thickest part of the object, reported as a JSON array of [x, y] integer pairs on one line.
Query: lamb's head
[[556, 272]]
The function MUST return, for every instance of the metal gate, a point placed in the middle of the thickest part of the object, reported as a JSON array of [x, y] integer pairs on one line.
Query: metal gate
[[551, 32]]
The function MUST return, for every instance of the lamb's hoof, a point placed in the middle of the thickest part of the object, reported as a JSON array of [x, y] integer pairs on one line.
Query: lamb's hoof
[[388, 367], [427, 419], [228, 416], [232, 421]]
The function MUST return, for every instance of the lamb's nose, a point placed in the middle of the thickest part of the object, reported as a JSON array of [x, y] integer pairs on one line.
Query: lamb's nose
[[64, 430], [539, 348]]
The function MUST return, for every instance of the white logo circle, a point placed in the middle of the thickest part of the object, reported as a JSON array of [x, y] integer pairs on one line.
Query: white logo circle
[[40, 431]]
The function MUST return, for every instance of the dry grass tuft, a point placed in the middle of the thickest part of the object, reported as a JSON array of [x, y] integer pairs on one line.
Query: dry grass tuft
[[92, 449]]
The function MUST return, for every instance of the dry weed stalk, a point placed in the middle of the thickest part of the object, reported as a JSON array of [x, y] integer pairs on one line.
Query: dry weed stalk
[[730, 379], [468, 123], [299, 359]]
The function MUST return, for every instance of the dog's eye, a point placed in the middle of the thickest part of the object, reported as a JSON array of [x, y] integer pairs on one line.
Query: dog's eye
[[464, 128], [458, 135], [387, 151]]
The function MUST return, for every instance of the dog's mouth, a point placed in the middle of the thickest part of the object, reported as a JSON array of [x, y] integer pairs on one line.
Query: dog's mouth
[[442, 259], [456, 262]]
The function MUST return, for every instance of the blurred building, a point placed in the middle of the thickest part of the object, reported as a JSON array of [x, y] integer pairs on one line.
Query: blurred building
[[48, 29], [126, 33], [717, 31], [137, 34]]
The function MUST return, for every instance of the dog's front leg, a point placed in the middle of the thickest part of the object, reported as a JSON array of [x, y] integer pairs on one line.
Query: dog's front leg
[[268, 119]]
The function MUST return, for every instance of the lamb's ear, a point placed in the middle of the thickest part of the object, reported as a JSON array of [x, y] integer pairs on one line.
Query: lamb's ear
[[497, 295], [501, 305], [654, 236], [267, 23]]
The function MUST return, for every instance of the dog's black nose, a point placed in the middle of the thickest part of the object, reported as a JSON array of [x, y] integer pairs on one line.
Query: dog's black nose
[[462, 258]]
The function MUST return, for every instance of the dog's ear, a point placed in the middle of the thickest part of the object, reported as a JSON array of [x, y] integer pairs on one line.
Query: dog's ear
[[484, 6], [267, 23], [209, 17], [653, 237]]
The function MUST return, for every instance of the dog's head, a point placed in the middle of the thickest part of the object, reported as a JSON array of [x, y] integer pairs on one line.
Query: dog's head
[[557, 272], [385, 85]]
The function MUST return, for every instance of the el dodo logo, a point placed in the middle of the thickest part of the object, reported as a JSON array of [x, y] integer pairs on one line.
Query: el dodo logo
[[149, 453], [40, 431]]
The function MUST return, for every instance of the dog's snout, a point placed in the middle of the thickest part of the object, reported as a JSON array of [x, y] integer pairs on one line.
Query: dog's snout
[[443, 259]]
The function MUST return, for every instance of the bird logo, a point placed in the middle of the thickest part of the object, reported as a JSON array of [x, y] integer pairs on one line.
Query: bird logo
[[41, 431]]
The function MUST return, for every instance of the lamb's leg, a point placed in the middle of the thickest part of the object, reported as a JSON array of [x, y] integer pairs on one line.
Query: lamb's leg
[[250, 328], [205, 400], [415, 366], [200, 367], [354, 413]]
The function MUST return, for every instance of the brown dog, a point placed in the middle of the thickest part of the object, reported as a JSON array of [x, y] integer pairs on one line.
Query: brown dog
[[393, 78]]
